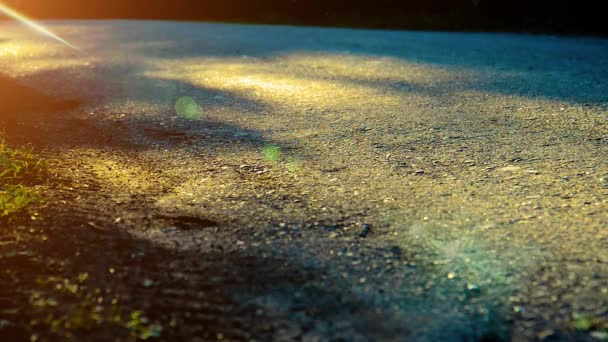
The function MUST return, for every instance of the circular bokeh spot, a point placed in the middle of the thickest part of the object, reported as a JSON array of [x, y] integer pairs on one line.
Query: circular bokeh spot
[[188, 108], [271, 152]]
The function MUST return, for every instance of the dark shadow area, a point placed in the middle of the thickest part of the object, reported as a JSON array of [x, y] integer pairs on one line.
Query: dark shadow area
[[240, 293], [29, 116], [189, 294], [18, 99], [493, 15]]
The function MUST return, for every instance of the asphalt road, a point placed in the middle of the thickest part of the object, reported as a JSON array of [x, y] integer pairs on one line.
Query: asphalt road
[[369, 185]]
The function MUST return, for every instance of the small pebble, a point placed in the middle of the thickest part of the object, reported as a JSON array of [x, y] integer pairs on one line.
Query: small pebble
[[545, 334], [169, 230], [472, 289], [365, 230], [600, 335]]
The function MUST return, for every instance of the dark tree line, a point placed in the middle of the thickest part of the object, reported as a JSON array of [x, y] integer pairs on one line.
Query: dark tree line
[[583, 16]]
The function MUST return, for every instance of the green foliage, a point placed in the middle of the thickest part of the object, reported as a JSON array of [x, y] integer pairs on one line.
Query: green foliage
[[17, 167], [15, 198], [140, 327], [69, 307]]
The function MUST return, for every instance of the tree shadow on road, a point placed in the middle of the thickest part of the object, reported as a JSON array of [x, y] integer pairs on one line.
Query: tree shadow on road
[[30, 116], [562, 69], [223, 290]]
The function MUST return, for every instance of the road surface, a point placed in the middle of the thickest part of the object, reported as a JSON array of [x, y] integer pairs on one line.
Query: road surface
[[286, 183]]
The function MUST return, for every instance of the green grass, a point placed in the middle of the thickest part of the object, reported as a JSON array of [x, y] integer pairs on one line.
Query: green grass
[[69, 307], [19, 168], [14, 199]]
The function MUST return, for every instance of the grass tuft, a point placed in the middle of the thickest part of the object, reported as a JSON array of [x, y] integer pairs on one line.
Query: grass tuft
[[14, 199], [19, 167]]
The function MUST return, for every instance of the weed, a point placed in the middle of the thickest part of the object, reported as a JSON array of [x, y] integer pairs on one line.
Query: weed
[[69, 308], [18, 165], [15, 198], [18, 168], [139, 326]]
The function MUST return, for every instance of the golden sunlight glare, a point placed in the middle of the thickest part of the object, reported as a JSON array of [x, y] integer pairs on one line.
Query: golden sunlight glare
[[33, 25]]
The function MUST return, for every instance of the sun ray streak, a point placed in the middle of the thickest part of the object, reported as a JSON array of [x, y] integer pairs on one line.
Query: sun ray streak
[[33, 25]]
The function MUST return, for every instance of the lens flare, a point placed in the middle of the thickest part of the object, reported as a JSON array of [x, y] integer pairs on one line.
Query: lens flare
[[188, 108], [33, 25], [271, 152]]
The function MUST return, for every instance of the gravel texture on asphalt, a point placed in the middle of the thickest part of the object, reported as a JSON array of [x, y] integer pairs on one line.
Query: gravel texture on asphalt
[[282, 183]]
